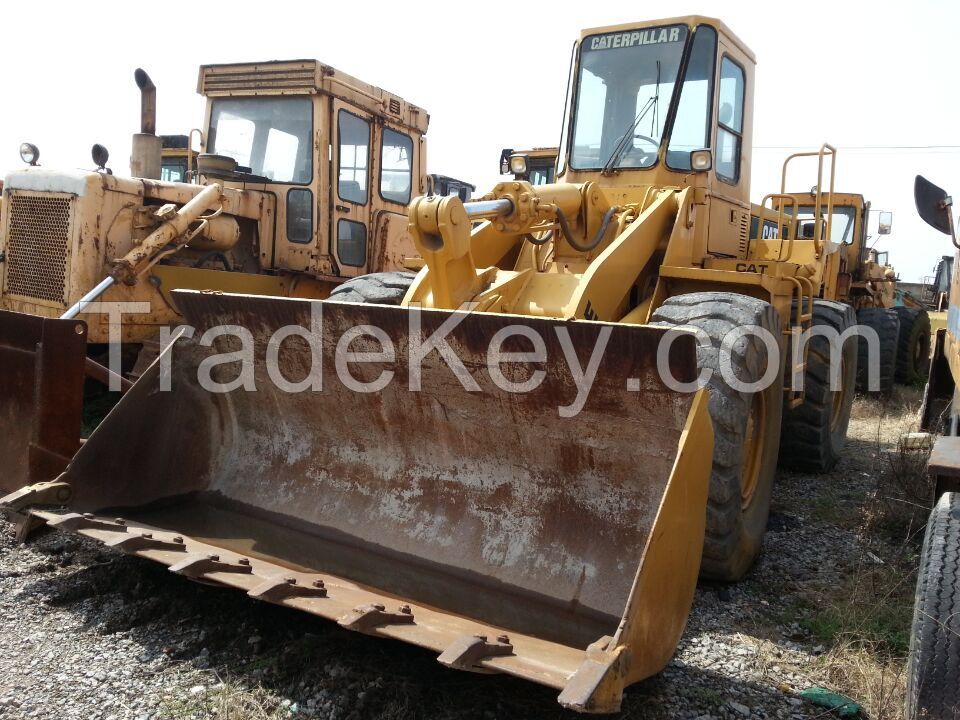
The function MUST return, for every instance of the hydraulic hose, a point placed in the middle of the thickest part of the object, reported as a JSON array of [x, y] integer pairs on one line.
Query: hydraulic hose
[[597, 239]]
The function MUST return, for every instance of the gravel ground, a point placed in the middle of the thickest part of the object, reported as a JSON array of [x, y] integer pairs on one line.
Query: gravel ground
[[90, 633]]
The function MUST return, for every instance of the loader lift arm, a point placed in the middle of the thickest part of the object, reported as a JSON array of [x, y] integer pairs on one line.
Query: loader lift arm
[[601, 249]]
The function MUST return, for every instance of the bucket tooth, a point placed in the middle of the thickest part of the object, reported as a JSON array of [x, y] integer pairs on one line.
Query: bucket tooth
[[146, 541], [467, 651], [597, 685], [86, 521], [369, 617], [281, 588], [44, 493], [199, 565]]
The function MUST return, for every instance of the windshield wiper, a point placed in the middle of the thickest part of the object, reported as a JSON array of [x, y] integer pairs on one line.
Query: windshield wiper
[[627, 137]]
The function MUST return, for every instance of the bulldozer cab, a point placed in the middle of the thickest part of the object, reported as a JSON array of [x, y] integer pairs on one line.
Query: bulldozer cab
[[341, 157]]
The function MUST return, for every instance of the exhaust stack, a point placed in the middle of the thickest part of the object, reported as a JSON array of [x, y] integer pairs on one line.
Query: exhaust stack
[[146, 153]]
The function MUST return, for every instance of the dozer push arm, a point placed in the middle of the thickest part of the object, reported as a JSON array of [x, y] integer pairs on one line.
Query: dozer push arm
[[174, 229]]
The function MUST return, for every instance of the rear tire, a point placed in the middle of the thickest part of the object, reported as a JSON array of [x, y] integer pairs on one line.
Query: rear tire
[[746, 426], [815, 433], [386, 288], [886, 323], [913, 354], [933, 669]]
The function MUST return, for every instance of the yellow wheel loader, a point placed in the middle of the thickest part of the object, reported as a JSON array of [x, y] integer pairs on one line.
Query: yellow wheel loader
[[302, 182], [575, 409], [863, 277], [537, 166]]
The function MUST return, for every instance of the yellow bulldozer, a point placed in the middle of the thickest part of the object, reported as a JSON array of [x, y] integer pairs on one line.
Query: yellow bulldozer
[[577, 407], [302, 182]]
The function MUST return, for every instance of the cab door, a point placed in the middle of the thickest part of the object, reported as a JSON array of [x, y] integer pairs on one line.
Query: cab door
[[353, 138]]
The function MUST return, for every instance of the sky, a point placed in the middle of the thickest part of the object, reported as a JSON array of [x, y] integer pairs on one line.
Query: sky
[[876, 79]]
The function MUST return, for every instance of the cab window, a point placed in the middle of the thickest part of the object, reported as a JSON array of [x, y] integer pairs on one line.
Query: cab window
[[730, 121], [353, 157], [396, 169], [691, 127]]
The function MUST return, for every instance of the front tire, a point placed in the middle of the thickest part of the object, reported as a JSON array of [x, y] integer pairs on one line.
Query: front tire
[[886, 323], [385, 288], [913, 355], [933, 669], [815, 432], [746, 426]]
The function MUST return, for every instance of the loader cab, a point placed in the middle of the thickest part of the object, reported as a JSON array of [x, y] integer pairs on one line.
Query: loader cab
[[668, 103], [539, 165], [342, 159], [176, 158]]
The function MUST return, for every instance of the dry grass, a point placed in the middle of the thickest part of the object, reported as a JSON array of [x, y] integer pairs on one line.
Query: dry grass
[[865, 622], [227, 701], [860, 671]]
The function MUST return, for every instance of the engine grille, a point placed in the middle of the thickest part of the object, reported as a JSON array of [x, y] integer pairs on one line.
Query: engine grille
[[37, 246]]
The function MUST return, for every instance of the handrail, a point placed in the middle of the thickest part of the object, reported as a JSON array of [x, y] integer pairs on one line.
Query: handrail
[[825, 149], [780, 197]]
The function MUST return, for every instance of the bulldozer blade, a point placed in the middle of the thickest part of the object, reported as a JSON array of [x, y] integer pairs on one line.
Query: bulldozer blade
[[492, 527], [41, 396]]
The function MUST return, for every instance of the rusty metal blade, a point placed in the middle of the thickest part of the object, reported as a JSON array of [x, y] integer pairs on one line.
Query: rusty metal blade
[[41, 396], [484, 506]]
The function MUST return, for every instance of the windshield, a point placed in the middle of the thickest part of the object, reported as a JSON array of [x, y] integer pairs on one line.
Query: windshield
[[623, 93], [269, 137], [841, 230], [541, 173]]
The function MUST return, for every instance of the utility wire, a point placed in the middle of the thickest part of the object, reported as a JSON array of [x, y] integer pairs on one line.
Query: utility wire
[[863, 147]]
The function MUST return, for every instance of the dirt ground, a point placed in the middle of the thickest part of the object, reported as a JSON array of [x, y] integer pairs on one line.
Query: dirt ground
[[87, 632]]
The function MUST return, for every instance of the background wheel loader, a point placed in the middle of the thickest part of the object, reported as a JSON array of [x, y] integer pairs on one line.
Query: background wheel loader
[[864, 278], [304, 176], [516, 467]]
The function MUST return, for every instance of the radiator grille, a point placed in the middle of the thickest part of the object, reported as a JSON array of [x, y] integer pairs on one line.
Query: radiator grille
[[37, 246]]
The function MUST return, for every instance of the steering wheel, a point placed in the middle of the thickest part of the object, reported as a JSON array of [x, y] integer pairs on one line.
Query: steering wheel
[[645, 156]]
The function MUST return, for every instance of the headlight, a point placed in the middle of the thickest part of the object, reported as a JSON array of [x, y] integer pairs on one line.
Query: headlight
[[701, 160], [100, 155], [518, 164], [29, 153]]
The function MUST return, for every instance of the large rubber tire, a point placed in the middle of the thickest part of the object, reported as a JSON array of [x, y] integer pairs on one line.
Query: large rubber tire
[[746, 427], [886, 323], [913, 355], [933, 670], [386, 288], [815, 432]]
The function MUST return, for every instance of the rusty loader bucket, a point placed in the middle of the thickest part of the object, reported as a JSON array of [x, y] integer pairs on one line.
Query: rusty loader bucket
[[478, 523], [41, 396]]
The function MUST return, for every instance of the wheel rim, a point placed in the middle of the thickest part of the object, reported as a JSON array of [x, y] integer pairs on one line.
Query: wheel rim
[[839, 399], [754, 442]]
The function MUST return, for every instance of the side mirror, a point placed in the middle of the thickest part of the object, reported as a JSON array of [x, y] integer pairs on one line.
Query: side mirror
[[933, 205], [886, 223], [505, 160]]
